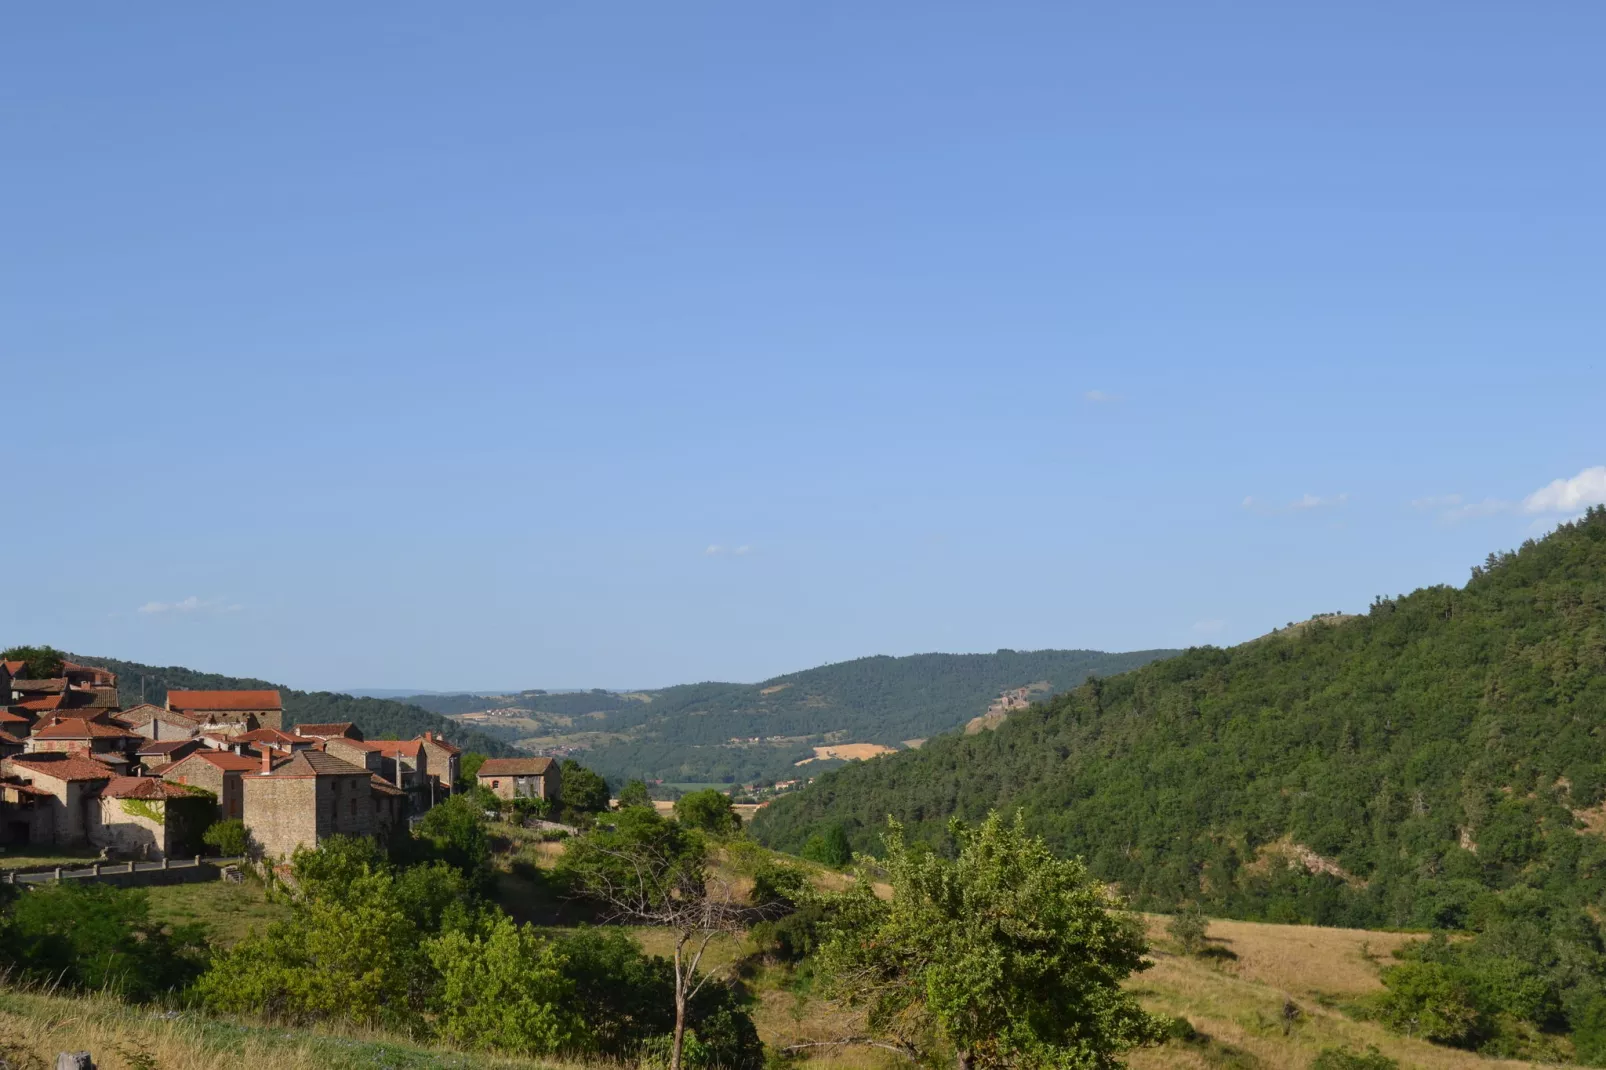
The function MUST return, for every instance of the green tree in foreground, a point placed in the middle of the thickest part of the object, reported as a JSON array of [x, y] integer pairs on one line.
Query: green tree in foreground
[[41, 662], [1005, 956], [505, 990], [634, 793], [708, 810], [467, 767], [582, 791], [228, 838]]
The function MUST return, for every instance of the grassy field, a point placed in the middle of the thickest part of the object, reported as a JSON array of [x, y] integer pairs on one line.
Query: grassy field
[[1264, 997], [230, 912], [42, 855]]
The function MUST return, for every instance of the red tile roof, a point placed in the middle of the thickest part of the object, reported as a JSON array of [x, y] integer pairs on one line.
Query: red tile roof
[[144, 787], [436, 741], [80, 728], [63, 768], [7, 737], [145, 711], [52, 686], [515, 767], [390, 748], [223, 700], [166, 746], [324, 731], [265, 735], [14, 667], [312, 763], [10, 717], [385, 787], [48, 702], [222, 759]]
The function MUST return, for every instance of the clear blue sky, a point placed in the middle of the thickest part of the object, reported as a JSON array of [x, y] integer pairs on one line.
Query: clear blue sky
[[447, 346]]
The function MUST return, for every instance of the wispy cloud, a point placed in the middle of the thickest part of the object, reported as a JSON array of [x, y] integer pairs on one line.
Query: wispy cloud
[[1299, 504], [717, 550], [192, 604], [1101, 397]]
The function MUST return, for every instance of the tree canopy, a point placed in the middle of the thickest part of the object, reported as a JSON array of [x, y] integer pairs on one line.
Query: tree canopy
[[1005, 955]]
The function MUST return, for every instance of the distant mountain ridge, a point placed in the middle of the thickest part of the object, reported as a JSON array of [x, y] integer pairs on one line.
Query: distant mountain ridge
[[725, 733], [378, 718]]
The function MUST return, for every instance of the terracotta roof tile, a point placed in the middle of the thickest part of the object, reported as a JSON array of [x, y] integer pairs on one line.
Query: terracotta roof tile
[[223, 700], [14, 667], [323, 731], [81, 728], [265, 735], [8, 716], [385, 787], [314, 763], [516, 767], [55, 685], [62, 768], [48, 702], [222, 759], [144, 787], [7, 737]]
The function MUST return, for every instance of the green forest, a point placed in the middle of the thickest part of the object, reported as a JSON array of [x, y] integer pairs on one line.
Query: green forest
[[683, 733], [1436, 747], [1438, 763], [378, 718]]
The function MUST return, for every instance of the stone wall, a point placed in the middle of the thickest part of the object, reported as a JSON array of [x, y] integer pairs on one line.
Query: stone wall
[[132, 828], [280, 813]]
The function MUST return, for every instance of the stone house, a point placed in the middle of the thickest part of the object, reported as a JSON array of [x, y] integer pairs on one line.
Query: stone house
[[219, 772], [15, 722], [85, 738], [153, 722], [305, 800], [230, 707], [26, 814], [520, 778], [443, 762], [402, 763], [165, 751], [144, 817], [10, 744], [259, 739], [69, 780]]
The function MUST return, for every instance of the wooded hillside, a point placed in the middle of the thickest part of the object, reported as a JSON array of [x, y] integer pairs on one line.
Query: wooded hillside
[[1388, 770]]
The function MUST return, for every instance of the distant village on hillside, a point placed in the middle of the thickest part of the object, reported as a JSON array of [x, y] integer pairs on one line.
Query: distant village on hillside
[[143, 782]]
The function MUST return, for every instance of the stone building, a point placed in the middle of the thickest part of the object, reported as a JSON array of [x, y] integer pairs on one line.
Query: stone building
[[144, 817], [264, 708], [402, 763], [443, 763], [305, 800], [520, 778], [343, 729], [154, 722], [219, 772], [87, 738], [68, 780]]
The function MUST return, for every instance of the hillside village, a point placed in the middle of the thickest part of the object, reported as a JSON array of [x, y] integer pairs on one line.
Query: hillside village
[[143, 782]]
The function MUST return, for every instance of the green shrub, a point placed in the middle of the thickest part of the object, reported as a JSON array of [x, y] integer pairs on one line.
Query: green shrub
[[1190, 929], [228, 838], [1344, 1059]]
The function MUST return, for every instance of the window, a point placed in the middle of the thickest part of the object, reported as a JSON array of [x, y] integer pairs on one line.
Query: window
[[353, 807], [496, 783]]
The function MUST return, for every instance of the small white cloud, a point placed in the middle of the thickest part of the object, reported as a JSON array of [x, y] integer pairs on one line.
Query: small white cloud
[[714, 550], [1303, 502], [192, 604], [1573, 495], [1101, 397], [1209, 627], [742, 551]]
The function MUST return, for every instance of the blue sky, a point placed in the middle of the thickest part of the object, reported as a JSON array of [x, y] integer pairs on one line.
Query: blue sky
[[412, 345]]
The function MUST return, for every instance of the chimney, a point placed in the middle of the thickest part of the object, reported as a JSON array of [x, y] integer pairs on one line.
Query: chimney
[[267, 761], [430, 735]]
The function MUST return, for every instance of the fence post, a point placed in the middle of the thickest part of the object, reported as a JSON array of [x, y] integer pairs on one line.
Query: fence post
[[164, 861], [58, 874], [197, 861], [95, 869]]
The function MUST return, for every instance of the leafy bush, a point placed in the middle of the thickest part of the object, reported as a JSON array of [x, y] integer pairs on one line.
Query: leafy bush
[[634, 794], [830, 847], [1433, 1001], [93, 937], [709, 811], [1190, 929], [504, 991], [228, 837], [582, 791], [1345, 1059]]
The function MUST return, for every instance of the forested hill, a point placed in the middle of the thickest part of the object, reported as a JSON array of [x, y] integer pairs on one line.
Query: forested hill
[[1426, 755], [378, 718], [690, 732]]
